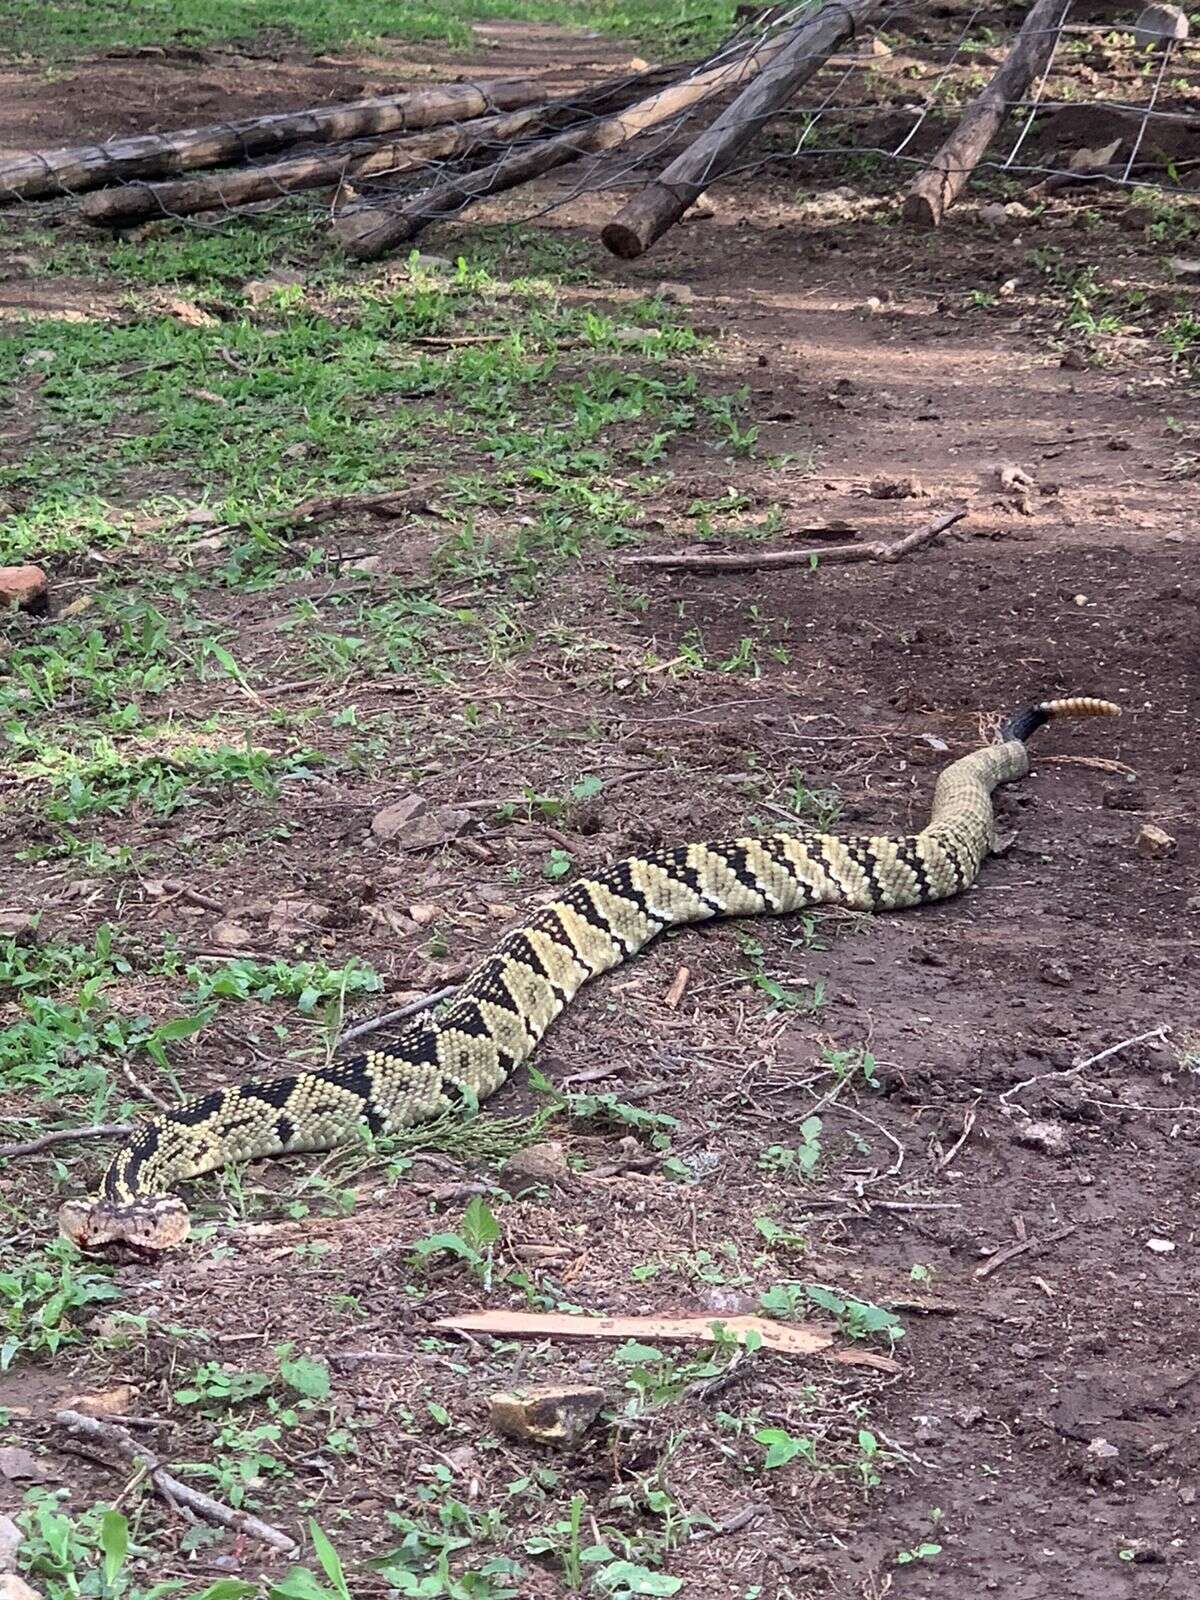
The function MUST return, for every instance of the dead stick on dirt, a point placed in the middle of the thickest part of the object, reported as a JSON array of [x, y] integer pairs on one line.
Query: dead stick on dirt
[[157, 155], [388, 1017], [168, 1486], [98, 1130], [876, 550], [939, 186], [372, 231], [801, 53], [1011, 1251]]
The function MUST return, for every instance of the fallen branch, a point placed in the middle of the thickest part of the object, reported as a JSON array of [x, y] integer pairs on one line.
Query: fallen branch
[[411, 1010], [242, 186], [364, 158], [1011, 1251], [157, 155], [98, 1130], [939, 186], [873, 550], [802, 53], [168, 1486], [369, 232], [390, 504], [791, 1338]]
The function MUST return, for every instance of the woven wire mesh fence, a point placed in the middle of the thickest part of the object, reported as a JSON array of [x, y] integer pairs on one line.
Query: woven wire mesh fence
[[1111, 107]]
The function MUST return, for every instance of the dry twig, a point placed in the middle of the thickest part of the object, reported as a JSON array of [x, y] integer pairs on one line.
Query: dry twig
[[170, 1488], [97, 1130], [753, 561], [388, 1017]]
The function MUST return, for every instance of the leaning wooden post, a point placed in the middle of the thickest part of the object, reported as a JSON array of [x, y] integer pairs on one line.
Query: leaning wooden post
[[803, 51], [939, 186], [158, 155], [368, 232]]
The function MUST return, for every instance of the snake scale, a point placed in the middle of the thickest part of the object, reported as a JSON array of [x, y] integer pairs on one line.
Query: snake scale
[[463, 1054]]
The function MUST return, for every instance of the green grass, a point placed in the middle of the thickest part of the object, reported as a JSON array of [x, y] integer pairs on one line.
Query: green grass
[[65, 27]]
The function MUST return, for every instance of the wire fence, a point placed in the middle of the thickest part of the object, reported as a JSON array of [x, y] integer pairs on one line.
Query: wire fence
[[1109, 109]]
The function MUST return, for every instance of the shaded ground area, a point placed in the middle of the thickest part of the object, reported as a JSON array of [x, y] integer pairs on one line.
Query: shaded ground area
[[894, 1112]]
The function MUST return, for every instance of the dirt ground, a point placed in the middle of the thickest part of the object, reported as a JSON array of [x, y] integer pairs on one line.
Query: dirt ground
[[1044, 1421]]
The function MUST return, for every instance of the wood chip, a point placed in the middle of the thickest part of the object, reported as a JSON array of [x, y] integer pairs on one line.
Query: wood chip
[[793, 1338]]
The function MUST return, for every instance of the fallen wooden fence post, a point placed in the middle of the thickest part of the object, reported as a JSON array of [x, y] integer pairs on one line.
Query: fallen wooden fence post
[[368, 232], [883, 550], [157, 155], [241, 186], [799, 55], [362, 159], [944, 179]]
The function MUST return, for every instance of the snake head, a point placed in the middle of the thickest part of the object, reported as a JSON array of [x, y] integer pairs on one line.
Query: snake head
[[152, 1225]]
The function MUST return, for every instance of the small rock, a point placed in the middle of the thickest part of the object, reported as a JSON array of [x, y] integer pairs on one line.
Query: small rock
[[1056, 973], [1161, 1247], [907, 488], [1102, 1450], [724, 1301], [1100, 1461], [389, 823], [434, 828], [1160, 23], [188, 312], [200, 517], [533, 1167], [1073, 361], [10, 1543], [878, 48], [680, 294], [24, 587], [230, 936], [1174, 538], [929, 1430], [116, 1402], [258, 291], [1051, 1138], [368, 564], [423, 912], [996, 216], [549, 1413], [21, 1466], [702, 208], [1011, 477], [13, 1587], [19, 926], [298, 916], [1153, 843]]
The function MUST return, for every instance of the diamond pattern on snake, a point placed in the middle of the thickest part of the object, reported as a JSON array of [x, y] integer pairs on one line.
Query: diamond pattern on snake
[[506, 1005]]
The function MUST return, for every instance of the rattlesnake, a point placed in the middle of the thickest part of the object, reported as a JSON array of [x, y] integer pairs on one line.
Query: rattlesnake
[[500, 1013]]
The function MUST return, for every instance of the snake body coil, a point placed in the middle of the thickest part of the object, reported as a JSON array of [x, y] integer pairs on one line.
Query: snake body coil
[[501, 1012]]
